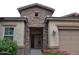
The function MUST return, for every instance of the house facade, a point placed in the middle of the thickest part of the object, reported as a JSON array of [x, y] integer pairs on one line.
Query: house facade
[[36, 28], [36, 14]]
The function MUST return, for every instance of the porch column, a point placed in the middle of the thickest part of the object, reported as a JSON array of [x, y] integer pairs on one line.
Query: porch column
[[45, 38], [27, 40]]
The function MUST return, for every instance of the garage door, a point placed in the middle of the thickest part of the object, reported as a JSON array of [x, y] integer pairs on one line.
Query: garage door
[[69, 40]]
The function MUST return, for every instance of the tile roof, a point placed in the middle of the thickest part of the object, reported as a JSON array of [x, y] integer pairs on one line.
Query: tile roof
[[36, 5], [75, 14], [13, 19]]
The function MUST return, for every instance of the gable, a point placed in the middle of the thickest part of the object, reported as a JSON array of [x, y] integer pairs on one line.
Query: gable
[[31, 12], [36, 14], [36, 5], [36, 21]]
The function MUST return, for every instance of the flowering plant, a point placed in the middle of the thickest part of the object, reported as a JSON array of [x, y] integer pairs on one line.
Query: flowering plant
[[55, 52]]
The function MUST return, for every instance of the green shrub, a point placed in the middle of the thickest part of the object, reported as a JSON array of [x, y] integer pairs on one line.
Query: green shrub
[[7, 45]]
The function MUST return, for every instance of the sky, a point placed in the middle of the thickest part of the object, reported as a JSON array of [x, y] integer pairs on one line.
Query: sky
[[8, 8]]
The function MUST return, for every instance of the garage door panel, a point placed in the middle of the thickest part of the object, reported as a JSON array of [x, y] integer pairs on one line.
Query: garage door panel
[[69, 40]]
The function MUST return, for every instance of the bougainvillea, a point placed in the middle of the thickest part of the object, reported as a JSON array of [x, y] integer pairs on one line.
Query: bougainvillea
[[55, 52]]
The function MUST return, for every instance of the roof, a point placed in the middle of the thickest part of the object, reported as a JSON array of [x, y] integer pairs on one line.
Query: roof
[[13, 19], [68, 19], [35, 5], [75, 14]]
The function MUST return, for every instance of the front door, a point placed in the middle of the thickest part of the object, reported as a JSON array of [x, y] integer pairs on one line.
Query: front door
[[38, 41], [36, 38]]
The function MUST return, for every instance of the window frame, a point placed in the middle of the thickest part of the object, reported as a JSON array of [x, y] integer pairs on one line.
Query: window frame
[[8, 35]]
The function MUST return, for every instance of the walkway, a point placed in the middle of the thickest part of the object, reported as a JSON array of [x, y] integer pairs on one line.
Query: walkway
[[36, 52]]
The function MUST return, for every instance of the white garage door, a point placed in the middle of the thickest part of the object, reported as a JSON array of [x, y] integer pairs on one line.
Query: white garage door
[[69, 40]]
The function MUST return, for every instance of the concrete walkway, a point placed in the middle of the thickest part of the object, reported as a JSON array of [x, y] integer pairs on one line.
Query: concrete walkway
[[36, 52]]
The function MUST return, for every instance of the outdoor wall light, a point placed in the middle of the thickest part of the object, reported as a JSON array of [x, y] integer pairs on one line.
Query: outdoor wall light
[[54, 32]]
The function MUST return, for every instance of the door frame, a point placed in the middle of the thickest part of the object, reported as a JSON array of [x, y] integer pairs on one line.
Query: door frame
[[37, 32]]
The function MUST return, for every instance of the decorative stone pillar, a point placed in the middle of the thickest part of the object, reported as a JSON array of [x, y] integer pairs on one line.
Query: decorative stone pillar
[[45, 38], [27, 40]]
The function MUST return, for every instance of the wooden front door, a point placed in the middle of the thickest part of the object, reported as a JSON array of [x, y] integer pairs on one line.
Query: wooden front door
[[36, 38], [38, 41]]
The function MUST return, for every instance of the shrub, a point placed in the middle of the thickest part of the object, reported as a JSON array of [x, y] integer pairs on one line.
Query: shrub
[[7, 45]]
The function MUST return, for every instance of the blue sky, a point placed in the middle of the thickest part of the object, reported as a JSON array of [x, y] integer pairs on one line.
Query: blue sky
[[8, 8]]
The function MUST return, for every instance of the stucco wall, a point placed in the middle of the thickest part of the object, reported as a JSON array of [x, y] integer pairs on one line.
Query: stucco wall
[[59, 25], [18, 31], [53, 37], [34, 21], [63, 23]]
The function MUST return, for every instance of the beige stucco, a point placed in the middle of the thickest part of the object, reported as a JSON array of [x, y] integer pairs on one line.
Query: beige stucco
[[53, 37], [68, 33], [63, 23], [18, 31], [60, 25]]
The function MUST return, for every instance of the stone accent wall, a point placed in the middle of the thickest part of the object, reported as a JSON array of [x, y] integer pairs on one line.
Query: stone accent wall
[[36, 21], [27, 39], [21, 51], [45, 36]]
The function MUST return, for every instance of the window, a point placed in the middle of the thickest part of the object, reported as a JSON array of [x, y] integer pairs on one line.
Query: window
[[9, 32], [36, 13]]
